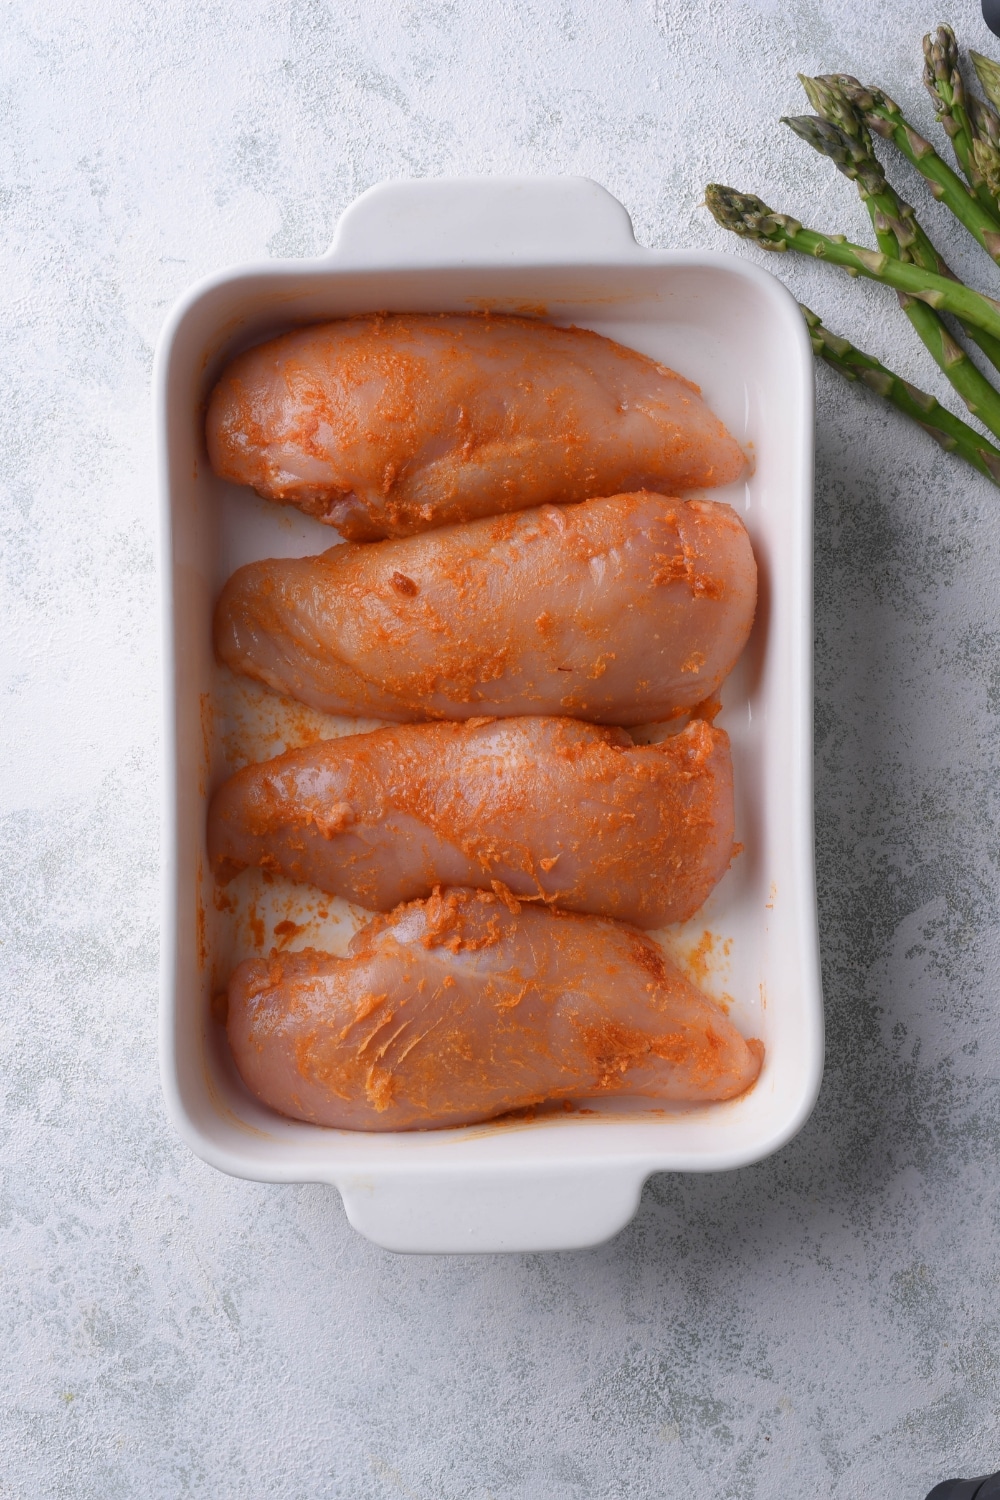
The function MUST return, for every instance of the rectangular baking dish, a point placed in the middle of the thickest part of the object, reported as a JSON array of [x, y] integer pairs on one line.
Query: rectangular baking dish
[[560, 248]]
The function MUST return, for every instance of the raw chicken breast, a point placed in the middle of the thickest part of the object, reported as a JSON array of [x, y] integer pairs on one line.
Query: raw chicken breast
[[389, 425], [458, 1008], [623, 610], [555, 810]]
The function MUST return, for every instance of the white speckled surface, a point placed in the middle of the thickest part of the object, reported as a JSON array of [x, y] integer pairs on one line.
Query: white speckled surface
[[825, 1324]]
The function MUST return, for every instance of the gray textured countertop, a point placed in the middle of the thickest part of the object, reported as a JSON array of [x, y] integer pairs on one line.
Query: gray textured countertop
[[824, 1324]]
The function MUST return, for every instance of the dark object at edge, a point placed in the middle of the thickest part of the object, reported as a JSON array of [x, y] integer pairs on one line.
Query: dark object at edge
[[987, 1486], [991, 15]]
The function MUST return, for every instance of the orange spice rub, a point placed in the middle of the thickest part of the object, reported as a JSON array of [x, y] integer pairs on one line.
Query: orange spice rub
[[389, 424], [553, 809], [623, 610], [456, 1009]]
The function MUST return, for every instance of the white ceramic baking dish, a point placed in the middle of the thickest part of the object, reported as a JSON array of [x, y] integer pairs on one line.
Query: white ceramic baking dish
[[560, 248]]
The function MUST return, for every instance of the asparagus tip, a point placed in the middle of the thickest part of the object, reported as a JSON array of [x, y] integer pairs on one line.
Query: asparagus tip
[[740, 212], [829, 95], [941, 52], [988, 73]]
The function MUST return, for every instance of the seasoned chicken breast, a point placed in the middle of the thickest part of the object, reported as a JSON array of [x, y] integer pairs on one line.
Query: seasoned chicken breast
[[389, 425], [555, 810], [455, 1009], [622, 610]]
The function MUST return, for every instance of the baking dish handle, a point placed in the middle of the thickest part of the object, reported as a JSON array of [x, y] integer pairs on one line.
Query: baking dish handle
[[477, 221], [487, 1210]]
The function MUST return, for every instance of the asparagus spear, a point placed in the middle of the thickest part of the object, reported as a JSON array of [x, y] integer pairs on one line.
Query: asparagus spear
[[890, 215], [986, 143], [974, 127], [988, 73], [830, 102], [986, 122], [897, 234], [831, 97], [954, 435], [886, 119], [943, 80], [746, 215]]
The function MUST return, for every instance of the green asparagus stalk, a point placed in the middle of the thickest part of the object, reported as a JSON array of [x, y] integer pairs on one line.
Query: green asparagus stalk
[[887, 120], [954, 435], [881, 200], [897, 233], [746, 215], [943, 81]]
